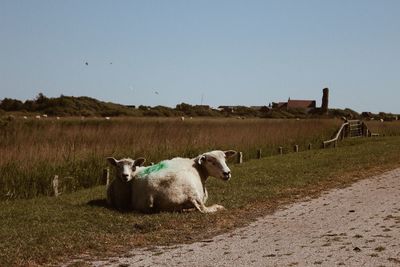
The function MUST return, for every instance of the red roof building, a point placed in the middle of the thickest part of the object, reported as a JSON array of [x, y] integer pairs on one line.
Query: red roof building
[[301, 104], [306, 105]]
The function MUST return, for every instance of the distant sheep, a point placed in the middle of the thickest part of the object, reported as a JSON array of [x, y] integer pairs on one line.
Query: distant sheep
[[119, 192], [179, 183]]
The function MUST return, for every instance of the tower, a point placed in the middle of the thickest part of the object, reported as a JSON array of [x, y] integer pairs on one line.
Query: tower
[[325, 101]]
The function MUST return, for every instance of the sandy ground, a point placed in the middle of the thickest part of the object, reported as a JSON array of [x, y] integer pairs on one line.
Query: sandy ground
[[355, 226]]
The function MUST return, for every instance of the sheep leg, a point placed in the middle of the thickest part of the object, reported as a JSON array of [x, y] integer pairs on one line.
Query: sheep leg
[[199, 205], [216, 207]]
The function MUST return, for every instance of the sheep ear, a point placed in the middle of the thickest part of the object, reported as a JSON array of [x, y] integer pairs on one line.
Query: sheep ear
[[139, 162], [112, 161], [201, 159], [230, 153]]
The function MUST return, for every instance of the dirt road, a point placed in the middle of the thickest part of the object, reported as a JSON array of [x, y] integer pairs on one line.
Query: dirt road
[[355, 226]]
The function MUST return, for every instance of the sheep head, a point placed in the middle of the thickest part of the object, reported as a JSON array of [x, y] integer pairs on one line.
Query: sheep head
[[214, 163], [126, 167]]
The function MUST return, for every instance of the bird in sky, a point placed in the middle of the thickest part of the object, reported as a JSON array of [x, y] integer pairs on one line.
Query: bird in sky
[[156, 93], [86, 63]]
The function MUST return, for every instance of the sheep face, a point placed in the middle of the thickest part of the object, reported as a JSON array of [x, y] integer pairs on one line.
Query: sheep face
[[126, 167], [215, 163]]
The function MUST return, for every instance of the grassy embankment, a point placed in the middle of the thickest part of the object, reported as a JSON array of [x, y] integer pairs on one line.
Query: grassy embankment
[[48, 229], [32, 151]]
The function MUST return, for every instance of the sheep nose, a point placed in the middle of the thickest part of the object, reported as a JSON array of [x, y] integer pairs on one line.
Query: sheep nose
[[227, 174], [125, 177]]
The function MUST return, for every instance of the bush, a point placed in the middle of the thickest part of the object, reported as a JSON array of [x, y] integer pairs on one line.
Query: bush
[[9, 104], [348, 113]]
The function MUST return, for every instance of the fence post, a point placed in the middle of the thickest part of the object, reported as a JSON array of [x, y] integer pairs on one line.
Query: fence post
[[281, 150], [55, 186], [296, 148], [106, 176], [259, 154], [309, 146], [240, 157]]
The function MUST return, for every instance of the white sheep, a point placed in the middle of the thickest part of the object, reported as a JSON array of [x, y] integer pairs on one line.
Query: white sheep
[[119, 191], [179, 183]]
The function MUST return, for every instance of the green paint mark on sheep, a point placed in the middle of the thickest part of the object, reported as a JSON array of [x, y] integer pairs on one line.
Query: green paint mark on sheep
[[155, 168]]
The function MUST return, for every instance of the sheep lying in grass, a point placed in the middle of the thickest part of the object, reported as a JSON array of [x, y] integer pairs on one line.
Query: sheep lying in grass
[[179, 183], [119, 192]]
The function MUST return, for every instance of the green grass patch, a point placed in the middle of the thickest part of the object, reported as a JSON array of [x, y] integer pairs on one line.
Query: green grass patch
[[49, 230]]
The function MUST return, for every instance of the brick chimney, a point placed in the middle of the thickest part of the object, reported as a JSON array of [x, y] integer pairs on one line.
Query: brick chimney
[[325, 101]]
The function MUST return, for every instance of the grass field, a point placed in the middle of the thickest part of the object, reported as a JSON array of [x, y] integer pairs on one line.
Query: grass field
[[48, 230], [391, 128], [33, 151]]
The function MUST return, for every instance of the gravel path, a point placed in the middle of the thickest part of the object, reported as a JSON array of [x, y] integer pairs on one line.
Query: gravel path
[[355, 226]]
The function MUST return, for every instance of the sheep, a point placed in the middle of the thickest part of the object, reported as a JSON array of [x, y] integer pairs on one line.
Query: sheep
[[119, 191], [179, 183]]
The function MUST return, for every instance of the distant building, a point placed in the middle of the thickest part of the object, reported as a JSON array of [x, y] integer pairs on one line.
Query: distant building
[[292, 104], [260, 108], [302, 104], [325, 101], [307, 105], [279, 105]]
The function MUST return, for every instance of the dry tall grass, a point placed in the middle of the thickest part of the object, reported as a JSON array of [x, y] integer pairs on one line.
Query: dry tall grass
[[32, 152], [389, 128]]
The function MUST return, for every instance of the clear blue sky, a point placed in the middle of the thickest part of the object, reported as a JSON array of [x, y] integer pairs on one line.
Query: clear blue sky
[[245, 52]]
